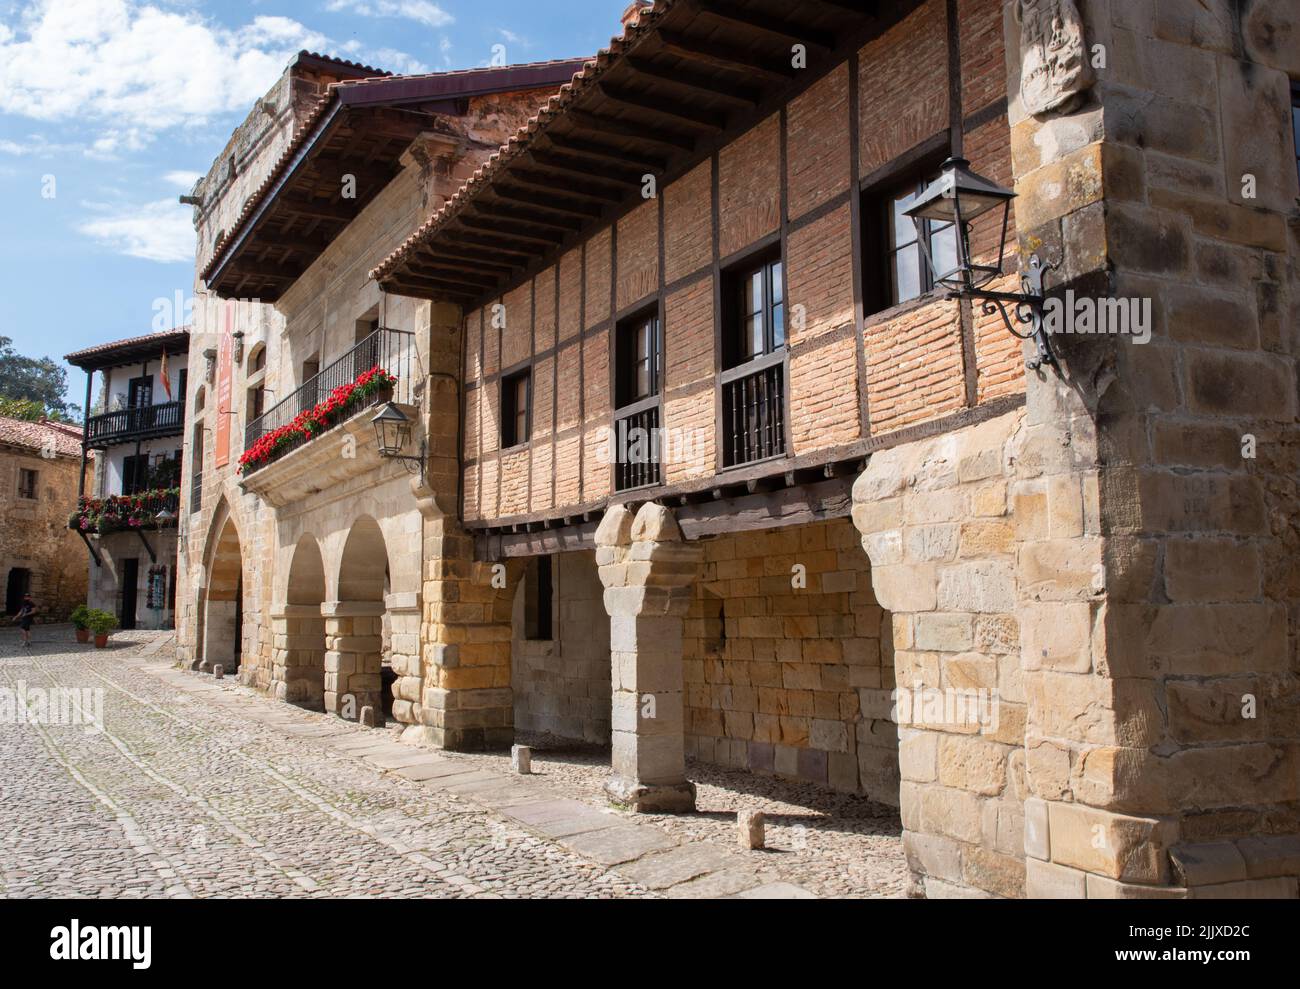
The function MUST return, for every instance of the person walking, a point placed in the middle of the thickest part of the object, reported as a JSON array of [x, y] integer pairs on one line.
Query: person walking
[[26, 615]]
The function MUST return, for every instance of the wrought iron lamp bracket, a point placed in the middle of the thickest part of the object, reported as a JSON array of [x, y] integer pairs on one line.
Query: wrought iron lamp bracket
[[414, 465], [1022, 311]]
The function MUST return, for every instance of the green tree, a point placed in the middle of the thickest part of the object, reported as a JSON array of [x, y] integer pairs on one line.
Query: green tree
[[33, 382]]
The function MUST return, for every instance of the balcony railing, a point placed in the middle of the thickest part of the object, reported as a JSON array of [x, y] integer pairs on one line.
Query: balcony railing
[[636, 442], [753, 411], [122, 513], [140, 422], [389, 350]]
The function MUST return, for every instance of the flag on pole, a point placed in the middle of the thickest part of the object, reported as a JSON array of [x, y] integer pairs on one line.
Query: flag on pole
[[166, 381]]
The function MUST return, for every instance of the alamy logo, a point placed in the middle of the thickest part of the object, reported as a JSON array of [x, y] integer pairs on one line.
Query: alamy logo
[[102, 943], [921, 706], [52, 706], [1085, 315]]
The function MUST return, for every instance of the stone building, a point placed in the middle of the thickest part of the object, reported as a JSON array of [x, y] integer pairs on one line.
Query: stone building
[[40, 468], [128, 513], [706, 366]]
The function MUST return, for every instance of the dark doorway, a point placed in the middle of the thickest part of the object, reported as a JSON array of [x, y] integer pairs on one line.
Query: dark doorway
[[130, 578], [139, 392], [19, 583]]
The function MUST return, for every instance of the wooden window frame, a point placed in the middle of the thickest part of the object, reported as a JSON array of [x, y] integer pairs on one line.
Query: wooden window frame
[[35, 486], [509, 411]]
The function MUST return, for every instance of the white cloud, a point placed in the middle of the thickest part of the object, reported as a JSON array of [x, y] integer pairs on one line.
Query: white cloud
[[37, 146], [139, 67], [182, 179], [414, 10], [514, 39], [157, 231]]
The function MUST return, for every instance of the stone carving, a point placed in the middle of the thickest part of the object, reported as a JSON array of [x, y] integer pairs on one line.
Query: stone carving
[[1054, 66]]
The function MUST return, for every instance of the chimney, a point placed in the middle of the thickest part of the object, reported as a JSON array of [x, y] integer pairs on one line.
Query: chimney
[[633, 14]]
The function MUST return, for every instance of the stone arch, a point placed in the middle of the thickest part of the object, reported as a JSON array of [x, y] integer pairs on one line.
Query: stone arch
[[298, 661], [222, 595], [357, 633]]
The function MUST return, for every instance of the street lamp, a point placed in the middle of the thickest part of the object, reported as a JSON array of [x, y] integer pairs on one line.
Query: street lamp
[[392, 433], [960, 196]]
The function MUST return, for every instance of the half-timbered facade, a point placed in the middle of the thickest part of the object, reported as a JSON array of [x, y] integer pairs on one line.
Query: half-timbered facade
[[714, 460]]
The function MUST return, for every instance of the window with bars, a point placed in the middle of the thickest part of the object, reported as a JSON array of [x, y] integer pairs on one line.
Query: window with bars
[[638, 362], [753, 377], [27, 483], [898, 271], [516, 393]]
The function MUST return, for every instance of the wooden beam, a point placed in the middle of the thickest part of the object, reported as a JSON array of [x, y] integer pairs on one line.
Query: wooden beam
[[523, 197], [524, 216], [601, 152], [493, 228], [584, 171], [645, 103], [778, 27], [696, 81], [620, 128], [474, 278], [724, 56], [436, 252], [317, 209], [558, 186], [460, 238]]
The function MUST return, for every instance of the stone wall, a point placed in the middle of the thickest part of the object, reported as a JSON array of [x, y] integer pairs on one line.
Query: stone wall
[[562, 685], [940, 531], [783, 635], [34, 534]]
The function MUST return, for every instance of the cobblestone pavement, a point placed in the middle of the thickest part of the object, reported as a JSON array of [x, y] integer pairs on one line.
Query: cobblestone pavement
[[198, 787]]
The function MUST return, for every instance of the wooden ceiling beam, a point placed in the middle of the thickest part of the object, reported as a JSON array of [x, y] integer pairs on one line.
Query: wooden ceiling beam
[[600, 152], [435, 253], [695, 81], [583, 170], [490, 209], [658, 106], [461, 238], [597, 124], [523, 197], [492, 228], [778, 27], [317, 209], [561, 187], [724, 56]]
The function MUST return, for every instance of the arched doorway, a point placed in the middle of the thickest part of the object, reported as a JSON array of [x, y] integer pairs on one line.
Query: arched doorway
[[223, 598], [299, 661], [355, 626]]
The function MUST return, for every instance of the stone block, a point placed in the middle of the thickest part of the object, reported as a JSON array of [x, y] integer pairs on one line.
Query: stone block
[[1131, 849], [521, 759], [1049, 881], [749, 829]]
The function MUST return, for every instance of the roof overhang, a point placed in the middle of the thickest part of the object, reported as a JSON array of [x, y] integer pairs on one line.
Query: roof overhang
[[687, 78], [347, 151], [134, 350]]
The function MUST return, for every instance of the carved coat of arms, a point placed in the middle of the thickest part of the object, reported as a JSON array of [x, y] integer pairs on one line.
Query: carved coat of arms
[[1054, 66]]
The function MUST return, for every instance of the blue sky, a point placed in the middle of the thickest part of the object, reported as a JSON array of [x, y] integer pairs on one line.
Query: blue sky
[[109, 109]]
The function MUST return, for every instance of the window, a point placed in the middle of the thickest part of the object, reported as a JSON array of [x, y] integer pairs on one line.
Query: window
[[637, 360], [899, 271], [140, 391], [257, 359], [753, 377], [757, 317], [256, 402], [538, 593], [637, 371], [135, 474], [27, 483], [516, 391]]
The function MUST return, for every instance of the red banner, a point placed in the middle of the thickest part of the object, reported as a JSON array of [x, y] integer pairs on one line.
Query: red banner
[[222, 453]]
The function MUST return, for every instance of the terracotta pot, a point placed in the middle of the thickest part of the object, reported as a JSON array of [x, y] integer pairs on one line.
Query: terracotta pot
[[101, 641], [83, 635]]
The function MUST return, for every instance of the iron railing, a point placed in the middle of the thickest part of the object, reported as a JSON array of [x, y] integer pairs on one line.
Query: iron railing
[[636, 445], [390, 350], [753, 411], [139, 422]]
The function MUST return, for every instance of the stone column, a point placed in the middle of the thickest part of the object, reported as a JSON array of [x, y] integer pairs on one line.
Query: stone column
[[404, 655], [353, 656], [466, 702], [647, 571], [298, 655]]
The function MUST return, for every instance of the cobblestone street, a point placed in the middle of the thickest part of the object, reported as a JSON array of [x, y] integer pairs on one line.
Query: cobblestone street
[[203, 788]]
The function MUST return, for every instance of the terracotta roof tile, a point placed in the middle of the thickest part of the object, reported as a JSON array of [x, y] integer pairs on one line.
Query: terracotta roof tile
[[88, 353], [308, 126], [35, 435], [591, 72]]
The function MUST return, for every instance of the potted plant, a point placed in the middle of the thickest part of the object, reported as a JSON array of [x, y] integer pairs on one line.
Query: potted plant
[[80, 619], [101, 623]]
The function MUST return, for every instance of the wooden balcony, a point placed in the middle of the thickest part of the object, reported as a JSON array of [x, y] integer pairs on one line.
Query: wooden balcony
[[144, 422]]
